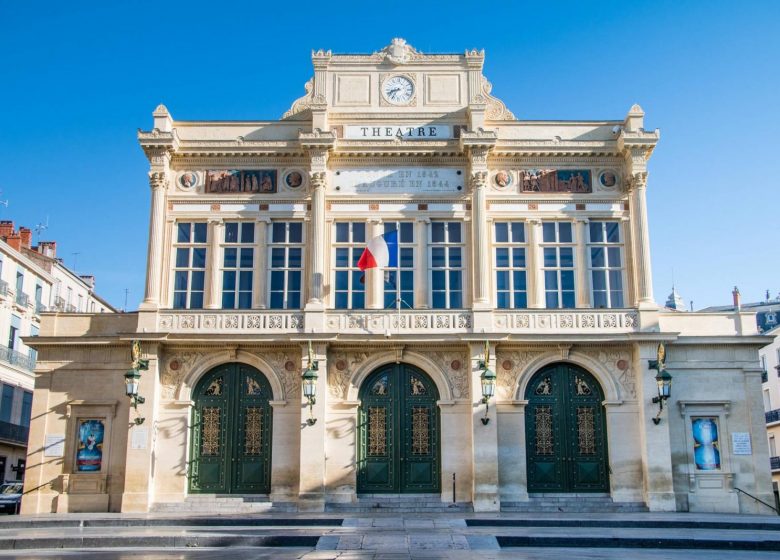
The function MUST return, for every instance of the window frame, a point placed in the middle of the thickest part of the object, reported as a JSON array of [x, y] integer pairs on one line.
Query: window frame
[[190, 245], [285, 245], [605, 245], [448, 269], [239, 245], [354, 249], [510, 245], [559, 269], [401, 272]]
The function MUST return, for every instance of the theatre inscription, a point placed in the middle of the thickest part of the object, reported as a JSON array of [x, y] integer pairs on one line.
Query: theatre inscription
[[403, 180], [403, 132]]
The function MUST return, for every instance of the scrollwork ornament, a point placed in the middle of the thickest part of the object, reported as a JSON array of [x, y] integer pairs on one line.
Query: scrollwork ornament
[[175, 367], [457, 378], [506, 382], [341, 367], [289, 378], [618, 364]]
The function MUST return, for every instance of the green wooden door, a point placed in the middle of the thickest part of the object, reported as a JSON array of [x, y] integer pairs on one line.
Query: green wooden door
[[398, 432], [231, 432], [566, 445]]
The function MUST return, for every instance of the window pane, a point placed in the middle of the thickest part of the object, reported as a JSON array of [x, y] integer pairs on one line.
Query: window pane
[[567, 300], [294, 280], [567, 256], [599, 300], [342, 280], [437, 232], [180, 280], [596, 232], [358, 280], [197, 281], [456, 300], [229, 280], [294, 257], [455, 280], [407, 300], [615, 280], [551, 300], [617, 298], [453, 229], [228, 300], [390, 280], [550, 280], [277, 280], [437, 257], [231, 232], [358, 232], [438, 280], [518, 257], [502, 280], [518, 232], [277, 300], [277, 257], [390, 302], [182, 258], [519, 280], [230, 257], [199, 258], [196, 300], [245, 300], [407, 257], [342, 257], [245, 280], [550, 257], [613, 232], [342, 232], [455, 257], [439, 300], [599, 280], [293, 300], [548, 232], [179, 300], [614, 256], [296, 232], [200, 233], [184, 233], [521, 300], [407, 280], [502, 233], [567, 279], [358, 300], [502, 257], [407, 232], [246, 258], [390, 226], [277, 232], [564, 232], [247, 232], [357, 252], [597, 256], [341, 300], [502, 300]]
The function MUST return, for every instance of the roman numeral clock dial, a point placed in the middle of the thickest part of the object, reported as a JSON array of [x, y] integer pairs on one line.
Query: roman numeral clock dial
[[398, 90]]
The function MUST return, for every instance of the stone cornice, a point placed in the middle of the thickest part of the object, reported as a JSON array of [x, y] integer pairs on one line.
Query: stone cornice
[[155, 142]]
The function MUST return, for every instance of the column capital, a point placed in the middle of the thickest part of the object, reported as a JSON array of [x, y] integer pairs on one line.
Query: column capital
[[158, 179], [216, 220], [318, 179], [263, 219], [424, 219], [581, 220], [478, 179], [636, 181], [534, 221]]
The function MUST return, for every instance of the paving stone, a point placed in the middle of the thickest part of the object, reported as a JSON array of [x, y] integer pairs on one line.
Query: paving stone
[[479, 542], [328, 542], [350, 542]]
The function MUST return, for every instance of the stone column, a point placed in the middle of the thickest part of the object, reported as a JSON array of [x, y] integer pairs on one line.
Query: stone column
[[318, 182], [421, 264], [630, 295], [481, 260], [374, 280], [213, 281], [311, 493], [581, 262], [485, 437], [158, 182], [536, 298], [641, 237], [260, 279], [655, 441]]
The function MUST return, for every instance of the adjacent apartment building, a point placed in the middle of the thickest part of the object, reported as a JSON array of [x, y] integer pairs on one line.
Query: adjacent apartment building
[[32, 281]]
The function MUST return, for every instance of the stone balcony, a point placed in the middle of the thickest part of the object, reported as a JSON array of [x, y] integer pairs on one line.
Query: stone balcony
[[406, 322]]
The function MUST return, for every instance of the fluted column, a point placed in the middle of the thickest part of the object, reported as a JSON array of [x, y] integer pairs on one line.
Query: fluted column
[[536, 299], [374, 280], [641, 240], [260, 279], [421, 264], [480, 250], [318, 181], [157, 181], [582, 284], [213, 280]]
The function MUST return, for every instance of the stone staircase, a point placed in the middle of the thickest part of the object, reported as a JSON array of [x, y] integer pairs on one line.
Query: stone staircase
[[399, 503], [224, 504], [572, 503]]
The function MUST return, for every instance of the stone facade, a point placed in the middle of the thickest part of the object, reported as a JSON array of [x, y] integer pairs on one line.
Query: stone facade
[[417, 141]]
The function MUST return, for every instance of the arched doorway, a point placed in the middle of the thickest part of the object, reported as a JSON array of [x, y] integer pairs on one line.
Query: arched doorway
[[398, 432], [230, 449], [566, 442]]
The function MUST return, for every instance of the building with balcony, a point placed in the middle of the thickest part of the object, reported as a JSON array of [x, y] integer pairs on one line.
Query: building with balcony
[[30, 278], [770, 364], [515, 247]]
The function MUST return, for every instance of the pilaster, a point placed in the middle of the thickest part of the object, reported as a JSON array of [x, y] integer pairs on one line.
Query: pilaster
[[582, 285], [536, 299], [485, 496], [311, 493], [421, 271], [213, 280], [260, 279], [158, 181]]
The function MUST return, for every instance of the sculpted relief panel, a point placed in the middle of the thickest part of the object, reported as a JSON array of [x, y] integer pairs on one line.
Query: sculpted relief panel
[[618, 363], [456, 366], [341, 366], [509, 365]]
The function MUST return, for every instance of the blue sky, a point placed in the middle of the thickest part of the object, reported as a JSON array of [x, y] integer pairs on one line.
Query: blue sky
[[77, 79]]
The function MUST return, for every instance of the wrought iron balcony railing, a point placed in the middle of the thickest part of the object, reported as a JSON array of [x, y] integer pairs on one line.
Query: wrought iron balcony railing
[[22, 299], [13, 357], [773, 416], [14, 432]]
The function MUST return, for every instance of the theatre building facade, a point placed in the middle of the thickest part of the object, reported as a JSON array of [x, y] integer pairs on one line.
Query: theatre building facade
[[523, 252]]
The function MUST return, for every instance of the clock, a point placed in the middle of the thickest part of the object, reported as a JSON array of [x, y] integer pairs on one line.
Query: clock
[[398, 90]]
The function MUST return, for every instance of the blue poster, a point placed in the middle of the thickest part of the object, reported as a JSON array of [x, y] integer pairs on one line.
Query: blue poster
[[706, 454], [89, 457]]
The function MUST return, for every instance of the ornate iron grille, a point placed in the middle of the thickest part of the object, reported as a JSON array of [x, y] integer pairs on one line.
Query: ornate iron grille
[[544, 432], [586, 430], [377, 431], [210, 430], [253, 431], [421, 444]]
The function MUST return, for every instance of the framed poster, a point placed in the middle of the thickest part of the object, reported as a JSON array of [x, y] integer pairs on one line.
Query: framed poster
[[706, 445], [89, 453]]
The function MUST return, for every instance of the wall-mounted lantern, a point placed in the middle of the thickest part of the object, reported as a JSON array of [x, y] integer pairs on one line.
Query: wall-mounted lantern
[[663, 381], [309, 379], [488, 381], [133, 378]]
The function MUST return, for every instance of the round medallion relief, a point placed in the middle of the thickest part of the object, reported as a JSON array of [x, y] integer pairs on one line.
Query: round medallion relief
[[608, 179], [455, 365], [293, 179], [341, 365], [174, 365], [502, 179], [507, 364], [622, 364], [188, 179], [289, 365]]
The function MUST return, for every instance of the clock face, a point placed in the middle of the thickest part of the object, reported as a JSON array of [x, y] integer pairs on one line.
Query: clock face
[[398, 90]]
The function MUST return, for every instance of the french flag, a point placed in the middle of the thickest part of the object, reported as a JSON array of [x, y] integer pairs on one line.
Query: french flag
[[381, 252]]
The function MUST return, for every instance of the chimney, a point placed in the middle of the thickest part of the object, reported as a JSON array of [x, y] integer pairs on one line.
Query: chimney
[[48, 248], [89, 280], [737, 300], [6, 228], [26, 235], [15, 241]]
